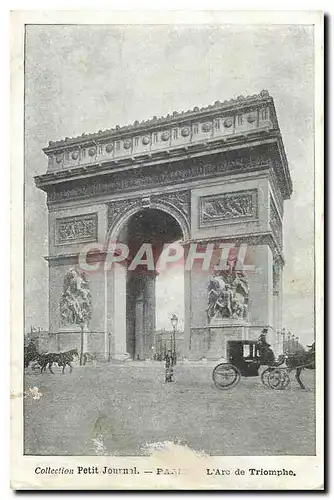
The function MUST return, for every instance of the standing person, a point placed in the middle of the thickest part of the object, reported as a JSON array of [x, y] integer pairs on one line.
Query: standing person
[[169, 367]]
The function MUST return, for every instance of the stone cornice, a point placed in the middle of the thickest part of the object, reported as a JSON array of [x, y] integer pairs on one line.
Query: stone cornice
[[184, 152], [96, 172], [241, 102], [72, 258]]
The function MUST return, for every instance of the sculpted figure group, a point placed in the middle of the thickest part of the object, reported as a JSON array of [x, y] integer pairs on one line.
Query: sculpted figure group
[[228, 296], [76, 300]]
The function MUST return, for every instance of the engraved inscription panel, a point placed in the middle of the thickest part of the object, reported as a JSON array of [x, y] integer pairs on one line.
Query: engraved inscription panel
[[239, 206], [77, 229]]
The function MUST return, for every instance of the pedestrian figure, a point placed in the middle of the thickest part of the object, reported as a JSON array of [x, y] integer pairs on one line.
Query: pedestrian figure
[[169, 373]]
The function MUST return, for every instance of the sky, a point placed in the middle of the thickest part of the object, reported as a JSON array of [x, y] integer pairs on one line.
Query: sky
[[86, 78]]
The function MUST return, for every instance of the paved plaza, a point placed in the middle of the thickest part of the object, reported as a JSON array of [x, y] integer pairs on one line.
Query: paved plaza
[[126, 409]]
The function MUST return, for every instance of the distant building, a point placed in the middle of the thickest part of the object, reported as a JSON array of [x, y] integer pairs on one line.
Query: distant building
[[163, 341]]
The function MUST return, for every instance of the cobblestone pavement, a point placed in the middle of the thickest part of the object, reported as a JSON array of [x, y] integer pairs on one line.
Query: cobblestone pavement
[[123, 409]]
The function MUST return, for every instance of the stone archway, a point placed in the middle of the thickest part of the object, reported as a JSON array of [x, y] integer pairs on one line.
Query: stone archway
[[176, 204], [134, 290]]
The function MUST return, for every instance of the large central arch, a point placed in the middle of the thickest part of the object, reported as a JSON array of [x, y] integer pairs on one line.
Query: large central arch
[[156, 225], [131, 207]]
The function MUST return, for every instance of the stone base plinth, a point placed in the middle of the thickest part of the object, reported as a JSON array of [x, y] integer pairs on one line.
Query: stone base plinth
[[211, 341], [68, 338]]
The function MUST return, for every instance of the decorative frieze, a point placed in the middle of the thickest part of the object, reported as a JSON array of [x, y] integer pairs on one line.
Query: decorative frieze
[[251, 118], [228, 207], [118, 207], [275, 222], [228, 122], [165, 136], [169, 173], [220, 126], [206, 127], [179, 200], [78, 229]]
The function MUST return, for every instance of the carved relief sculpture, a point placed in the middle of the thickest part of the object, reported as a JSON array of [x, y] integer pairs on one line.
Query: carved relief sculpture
[[76, 300], [178, 199], [76, 229], [171, 175], [220, 208], [228, 294]]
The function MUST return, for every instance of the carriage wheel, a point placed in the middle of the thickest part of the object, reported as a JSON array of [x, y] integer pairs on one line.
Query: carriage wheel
[[265, 377], [278, 379], [226, 376], [286, 380]]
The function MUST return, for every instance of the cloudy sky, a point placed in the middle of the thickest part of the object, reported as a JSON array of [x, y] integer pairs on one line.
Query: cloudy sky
[[85, 78]]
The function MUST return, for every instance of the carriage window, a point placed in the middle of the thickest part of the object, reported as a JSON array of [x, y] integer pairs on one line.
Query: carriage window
[[175, 133], [247, 351], [117, 145], [155, 137], [136, 141], [196, 128]]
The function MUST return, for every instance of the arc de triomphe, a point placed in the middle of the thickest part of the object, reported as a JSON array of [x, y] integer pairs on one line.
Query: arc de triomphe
[[214, 175]]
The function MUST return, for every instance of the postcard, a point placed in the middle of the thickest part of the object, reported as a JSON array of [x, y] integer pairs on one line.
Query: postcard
[[167, 242]]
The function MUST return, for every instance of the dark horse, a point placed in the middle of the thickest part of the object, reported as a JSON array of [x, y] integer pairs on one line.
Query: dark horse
[[300, 360], [61, 358], [294, 360], [47, 360], [65, 358]]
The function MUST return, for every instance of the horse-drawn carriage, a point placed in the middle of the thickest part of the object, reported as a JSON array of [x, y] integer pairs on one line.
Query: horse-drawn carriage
[[245, 357], [40, 360]]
